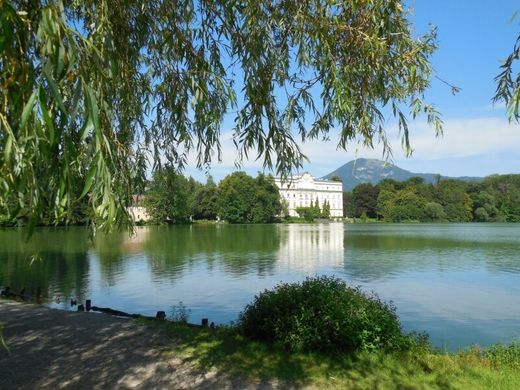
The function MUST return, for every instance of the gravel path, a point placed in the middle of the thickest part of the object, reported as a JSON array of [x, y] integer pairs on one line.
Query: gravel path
[[52, 349]]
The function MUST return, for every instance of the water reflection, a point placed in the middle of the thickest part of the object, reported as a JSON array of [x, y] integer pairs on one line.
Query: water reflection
[[310, 248], [237, 249], [380, 252], [457, 282], [60, 267]]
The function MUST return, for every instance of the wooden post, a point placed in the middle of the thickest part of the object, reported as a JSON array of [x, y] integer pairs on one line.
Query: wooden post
[[81, 307], [38, 293], [161, 315], [204, 323], [88, 304]]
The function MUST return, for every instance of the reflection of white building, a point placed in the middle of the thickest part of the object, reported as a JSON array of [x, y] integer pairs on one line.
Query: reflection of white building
[[134, 243], [303, 190], [309, 248]]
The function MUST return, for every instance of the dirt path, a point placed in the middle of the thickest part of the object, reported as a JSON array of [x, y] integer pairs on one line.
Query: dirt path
[[58, 349]]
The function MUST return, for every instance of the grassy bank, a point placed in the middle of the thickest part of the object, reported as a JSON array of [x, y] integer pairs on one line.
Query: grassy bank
[[225, 350]]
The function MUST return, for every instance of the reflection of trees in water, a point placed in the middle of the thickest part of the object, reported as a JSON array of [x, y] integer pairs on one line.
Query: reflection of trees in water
[[53, 259], [237, 248], [111, 251], [377, 256]]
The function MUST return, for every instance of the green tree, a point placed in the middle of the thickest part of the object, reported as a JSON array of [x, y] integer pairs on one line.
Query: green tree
[[315, 209], [483, 201], [168, 197], [325, 213], [236, 194], [457, 203], [205, 201], [503, 192], [243, 199], [408, 206], [91, 88], [305, 213], [385, 203], [285, 208], [481, 215], [364, 197], [434, 212], [348, 206], [267, 205]]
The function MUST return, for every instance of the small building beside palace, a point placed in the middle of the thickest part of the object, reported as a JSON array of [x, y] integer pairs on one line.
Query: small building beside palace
[[303, 190], [137, 210]]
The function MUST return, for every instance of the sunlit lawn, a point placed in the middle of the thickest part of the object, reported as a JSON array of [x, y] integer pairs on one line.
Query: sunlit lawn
[[224, 350]]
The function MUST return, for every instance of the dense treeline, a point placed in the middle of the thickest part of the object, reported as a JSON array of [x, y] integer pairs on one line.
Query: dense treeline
[[495, 199], [239, 198]]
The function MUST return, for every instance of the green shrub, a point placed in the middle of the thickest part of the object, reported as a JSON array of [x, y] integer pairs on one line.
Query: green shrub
[[503, 355], [322, 314]]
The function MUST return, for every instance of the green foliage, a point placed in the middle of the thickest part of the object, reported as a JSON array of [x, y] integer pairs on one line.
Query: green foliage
[[481, 215], [168, 197], [205, 201], [315, 209], [243, 199], [348, 204], [407, 206], [266, 203], [495, 199], [321, 314], [325, 213], [452, 195], [364, 199], [227, 351], [306, 213], [434, 212], [90, 89], [180, 313], [508, 84], [285, 209], [501, 355]]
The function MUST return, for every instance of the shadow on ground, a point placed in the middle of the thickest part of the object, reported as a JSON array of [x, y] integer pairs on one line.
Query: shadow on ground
[[57, 349]]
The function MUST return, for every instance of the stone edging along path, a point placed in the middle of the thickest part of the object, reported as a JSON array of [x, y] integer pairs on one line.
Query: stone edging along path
[[52, 349]]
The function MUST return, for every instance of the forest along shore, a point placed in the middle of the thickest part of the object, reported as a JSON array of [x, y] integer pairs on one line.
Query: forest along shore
[[52, 348]]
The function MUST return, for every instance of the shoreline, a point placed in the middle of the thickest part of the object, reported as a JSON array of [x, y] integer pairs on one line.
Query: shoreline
[[53, 348]]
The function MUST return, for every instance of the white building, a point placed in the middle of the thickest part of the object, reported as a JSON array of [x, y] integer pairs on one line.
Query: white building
[[137, 210], [303, 190]]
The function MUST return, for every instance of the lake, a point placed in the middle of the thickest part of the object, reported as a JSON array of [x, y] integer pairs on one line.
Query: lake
[[460, 283]]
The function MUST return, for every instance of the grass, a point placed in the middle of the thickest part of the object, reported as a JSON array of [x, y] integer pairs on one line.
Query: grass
[[223, 349]]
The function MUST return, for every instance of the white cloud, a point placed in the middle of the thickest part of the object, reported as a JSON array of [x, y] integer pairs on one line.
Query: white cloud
[[462, 138], [465, 138]]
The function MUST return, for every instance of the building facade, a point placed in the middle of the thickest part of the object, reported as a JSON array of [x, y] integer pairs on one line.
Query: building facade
[[303, 190], [137, 210]]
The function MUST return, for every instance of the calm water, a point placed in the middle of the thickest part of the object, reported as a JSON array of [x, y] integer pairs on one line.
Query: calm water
[[459, 283]]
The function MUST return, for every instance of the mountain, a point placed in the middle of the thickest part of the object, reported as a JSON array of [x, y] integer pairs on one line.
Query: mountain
[[363, 170]]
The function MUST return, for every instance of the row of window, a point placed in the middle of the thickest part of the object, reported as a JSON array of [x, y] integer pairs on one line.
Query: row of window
[[307, 204], [312, 196]]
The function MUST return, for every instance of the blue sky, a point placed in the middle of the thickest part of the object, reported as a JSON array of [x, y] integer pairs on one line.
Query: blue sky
[[474, 37]]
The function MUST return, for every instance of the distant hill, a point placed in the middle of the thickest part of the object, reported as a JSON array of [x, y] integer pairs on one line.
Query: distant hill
[[363, 170]]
